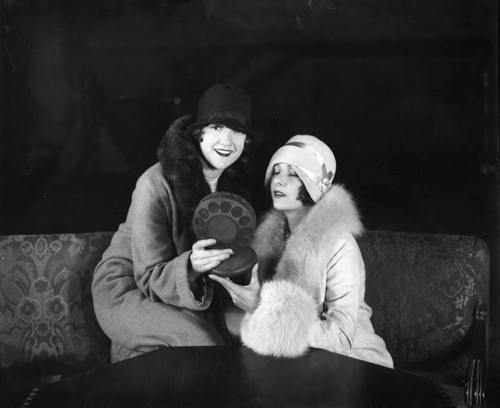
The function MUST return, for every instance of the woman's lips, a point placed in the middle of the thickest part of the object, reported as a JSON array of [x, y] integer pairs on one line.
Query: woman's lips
[[223, 152]]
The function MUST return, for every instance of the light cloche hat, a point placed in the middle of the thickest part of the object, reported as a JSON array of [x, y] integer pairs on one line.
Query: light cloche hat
[[312, 160]]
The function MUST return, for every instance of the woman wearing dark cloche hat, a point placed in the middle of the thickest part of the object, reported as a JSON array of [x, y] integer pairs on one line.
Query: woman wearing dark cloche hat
[[150, 288]]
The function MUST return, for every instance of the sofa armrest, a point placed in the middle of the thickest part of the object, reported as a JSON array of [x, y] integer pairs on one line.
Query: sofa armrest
[[47, 315], [475, 387]]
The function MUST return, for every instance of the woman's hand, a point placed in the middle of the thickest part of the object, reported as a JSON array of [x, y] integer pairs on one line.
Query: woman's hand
[[245, 297], [204, 260]]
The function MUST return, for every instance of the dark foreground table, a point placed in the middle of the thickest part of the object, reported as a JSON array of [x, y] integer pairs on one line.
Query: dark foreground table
[[237, 377]]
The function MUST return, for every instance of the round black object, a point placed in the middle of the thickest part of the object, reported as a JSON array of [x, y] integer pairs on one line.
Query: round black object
[[230, 220]]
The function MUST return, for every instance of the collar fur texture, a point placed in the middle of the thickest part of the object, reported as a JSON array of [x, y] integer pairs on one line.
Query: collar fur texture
[[307, 249], [182, 168]]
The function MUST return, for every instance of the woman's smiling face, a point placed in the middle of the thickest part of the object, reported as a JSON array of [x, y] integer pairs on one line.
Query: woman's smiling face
[[221, 146], [285, 186]]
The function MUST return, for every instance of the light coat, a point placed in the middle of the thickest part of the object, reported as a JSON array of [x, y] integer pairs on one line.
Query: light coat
[[142, 295], [313, 285]]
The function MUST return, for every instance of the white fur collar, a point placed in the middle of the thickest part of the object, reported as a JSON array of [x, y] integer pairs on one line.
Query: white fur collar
[[333, 215]]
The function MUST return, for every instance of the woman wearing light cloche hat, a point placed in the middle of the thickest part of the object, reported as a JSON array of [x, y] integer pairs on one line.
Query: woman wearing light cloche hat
[[308, 288]]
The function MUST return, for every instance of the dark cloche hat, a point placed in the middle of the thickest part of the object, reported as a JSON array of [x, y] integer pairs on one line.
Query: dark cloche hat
[[227, 105]]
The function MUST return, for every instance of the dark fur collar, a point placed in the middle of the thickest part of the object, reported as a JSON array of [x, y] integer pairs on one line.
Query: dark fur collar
[[181, 166]]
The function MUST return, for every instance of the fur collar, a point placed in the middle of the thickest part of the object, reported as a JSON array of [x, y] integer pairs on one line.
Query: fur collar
[[332, 216], [182, 168]]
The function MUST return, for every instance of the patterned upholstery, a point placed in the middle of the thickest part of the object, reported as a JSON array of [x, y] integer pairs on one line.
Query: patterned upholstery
[[46, 311], [424, 289]]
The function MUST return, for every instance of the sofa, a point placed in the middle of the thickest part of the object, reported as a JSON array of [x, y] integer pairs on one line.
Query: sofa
[[428, 292]]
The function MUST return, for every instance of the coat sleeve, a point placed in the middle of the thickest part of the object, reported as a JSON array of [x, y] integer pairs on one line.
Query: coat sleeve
[[344, 292], [160, 273]]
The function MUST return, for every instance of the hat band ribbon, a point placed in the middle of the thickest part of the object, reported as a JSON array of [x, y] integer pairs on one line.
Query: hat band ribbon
[[323, 182]]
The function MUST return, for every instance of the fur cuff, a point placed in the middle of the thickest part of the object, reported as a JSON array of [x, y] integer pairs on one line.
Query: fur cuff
[[280, 325]]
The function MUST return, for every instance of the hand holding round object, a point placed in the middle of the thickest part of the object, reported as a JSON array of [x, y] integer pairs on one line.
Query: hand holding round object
[[229, 219]]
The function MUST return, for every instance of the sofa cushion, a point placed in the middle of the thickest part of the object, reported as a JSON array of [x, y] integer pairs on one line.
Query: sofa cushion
[[424, 289], [46, 309]]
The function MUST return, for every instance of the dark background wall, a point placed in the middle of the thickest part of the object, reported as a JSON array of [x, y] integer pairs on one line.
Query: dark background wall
[[404, 91]]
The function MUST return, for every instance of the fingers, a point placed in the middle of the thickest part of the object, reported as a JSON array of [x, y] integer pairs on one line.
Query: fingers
[[207, 258], [223, 281], [217, 278], [244, 297], [203, 260], [206, 267], [230, 286], [202, 243], [205, 264], [255, 273], [204, 257]]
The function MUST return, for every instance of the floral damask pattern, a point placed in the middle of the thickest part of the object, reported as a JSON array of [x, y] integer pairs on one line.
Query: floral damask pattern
[[45, 298], [423, 289]]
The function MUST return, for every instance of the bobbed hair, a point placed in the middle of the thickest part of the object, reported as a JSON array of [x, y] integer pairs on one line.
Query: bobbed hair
[[197, 135], [304, 197]]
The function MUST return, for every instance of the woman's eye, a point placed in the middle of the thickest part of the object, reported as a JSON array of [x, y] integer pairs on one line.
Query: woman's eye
[[216, 127]]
